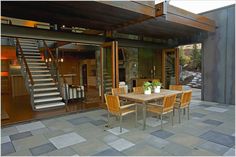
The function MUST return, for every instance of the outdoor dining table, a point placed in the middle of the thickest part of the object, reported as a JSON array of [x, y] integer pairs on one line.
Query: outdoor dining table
[[145, 98]]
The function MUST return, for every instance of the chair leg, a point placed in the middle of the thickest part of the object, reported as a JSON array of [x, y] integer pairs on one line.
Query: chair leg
[[108, 119], [188, 112], [179, 114], [120, 123], [172, 119], [184, 111], [173, 111], [136, 116], [161, 122]]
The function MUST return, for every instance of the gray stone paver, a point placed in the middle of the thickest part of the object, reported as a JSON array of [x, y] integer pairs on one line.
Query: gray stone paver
[[219, 138], [7, 148], [20, 135], [62, 152], [42, 149], [29, 142], [199, 136], [214, 147]]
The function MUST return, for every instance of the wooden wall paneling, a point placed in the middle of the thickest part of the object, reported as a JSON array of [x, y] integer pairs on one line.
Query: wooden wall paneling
[[101, 74], [117, 64], [18, 86], [163, 67], [113, 70], [177, 66]]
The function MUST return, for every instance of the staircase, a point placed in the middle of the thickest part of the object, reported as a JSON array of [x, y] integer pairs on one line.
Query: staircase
[[107, 81], [170, 69], [45, 93]]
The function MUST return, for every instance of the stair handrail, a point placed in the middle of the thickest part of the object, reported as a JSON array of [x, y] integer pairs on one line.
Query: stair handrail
[[24, 60], [57, 69], [54, 60]]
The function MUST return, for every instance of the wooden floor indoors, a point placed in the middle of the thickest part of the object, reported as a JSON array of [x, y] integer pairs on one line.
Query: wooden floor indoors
[[19, 108]]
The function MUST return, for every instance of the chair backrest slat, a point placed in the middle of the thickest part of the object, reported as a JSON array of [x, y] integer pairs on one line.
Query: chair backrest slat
[[168, 102], [186, 98], [138, 90], [113, 104], [176, 87], [116, 91]]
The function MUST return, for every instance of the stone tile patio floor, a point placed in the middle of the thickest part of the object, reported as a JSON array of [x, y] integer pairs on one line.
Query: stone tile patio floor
[[209, 132]]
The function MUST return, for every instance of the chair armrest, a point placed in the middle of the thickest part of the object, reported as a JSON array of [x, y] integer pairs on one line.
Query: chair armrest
[[155, 104], [127, 106]]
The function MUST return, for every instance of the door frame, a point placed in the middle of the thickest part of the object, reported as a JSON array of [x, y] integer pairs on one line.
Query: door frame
[[176, 52], [115, 64]]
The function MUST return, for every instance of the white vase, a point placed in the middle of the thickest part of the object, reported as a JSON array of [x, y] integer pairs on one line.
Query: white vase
[[149, 91], [157, 89]]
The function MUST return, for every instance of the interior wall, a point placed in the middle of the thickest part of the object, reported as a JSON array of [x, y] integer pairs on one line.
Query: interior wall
[[219, 58], [69, 66]]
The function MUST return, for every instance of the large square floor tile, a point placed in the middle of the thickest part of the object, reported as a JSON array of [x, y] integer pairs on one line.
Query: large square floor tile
[[162, 134], [214, 147], [109, 152], [116, 131], [219, 138], [66, 140], [20, 135], [230, 152], [42, 149], [5, 139], [198, 115], [212, 122], [30, 126], [80, 120], [7, 148], [216, 109], [121, 144], [153, 122], [98, 122]]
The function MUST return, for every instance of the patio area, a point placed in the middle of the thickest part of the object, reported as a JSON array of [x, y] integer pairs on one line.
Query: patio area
[[210, 131]]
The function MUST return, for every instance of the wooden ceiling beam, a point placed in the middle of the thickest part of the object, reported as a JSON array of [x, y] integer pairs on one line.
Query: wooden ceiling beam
[[177, 15], [133, 6]]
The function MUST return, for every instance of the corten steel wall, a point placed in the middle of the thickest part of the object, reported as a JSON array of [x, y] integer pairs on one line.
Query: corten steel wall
[[219, 58]]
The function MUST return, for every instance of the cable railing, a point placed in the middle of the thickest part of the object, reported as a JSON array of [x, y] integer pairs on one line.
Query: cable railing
[[26, 74], [25, 62]]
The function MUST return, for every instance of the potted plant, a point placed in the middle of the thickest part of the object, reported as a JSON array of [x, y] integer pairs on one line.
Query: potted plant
[[157, 86], [147, 88]]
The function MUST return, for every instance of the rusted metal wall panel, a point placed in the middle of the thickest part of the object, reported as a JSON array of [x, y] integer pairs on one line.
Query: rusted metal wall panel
[[219, 58]]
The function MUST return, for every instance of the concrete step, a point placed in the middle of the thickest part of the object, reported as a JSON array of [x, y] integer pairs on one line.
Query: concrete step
[[41, 75], [31, 57], [45, 89], [31, 53], [38, 67], [46, 94], [29, 50], [47, 99], [39, 71], [43, 84], [36, 63], [42, 80], [49, 105], [28, 43]]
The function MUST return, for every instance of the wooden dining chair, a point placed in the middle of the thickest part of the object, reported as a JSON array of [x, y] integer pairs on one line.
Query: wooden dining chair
[[138, 90], [183, 103], [166, 107], [114, 108], [176, 87], [116, 91]]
